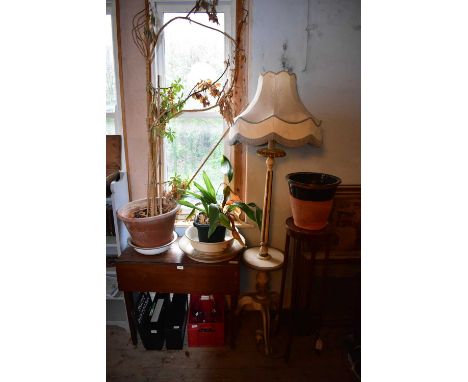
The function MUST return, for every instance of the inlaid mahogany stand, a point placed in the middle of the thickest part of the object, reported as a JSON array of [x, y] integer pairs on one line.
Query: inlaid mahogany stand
[[301, 266]]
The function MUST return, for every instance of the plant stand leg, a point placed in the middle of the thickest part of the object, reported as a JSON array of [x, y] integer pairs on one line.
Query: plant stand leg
[[266, 327]]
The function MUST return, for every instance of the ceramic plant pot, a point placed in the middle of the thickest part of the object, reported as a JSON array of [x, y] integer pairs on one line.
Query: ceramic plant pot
[[151, 232], [191, 234], [311, 196], [216, 237]]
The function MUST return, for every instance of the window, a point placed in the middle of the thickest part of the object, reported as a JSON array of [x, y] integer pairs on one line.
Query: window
[[193, 53], [112, 120]]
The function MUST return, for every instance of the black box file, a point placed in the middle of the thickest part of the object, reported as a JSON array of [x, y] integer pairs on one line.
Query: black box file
[[151, 318], [176, 322], [142, 307]]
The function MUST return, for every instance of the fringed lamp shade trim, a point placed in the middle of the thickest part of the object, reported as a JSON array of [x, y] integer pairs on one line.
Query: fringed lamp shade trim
[[273, 128], [276, 113]]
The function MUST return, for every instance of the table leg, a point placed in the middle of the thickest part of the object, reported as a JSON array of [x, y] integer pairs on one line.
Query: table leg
[[131, 316], [233, 321], [283, 282]]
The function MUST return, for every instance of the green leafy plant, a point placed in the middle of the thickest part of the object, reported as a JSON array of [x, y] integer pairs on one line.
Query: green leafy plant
[[172, 101], [177, 187], [220, 209]]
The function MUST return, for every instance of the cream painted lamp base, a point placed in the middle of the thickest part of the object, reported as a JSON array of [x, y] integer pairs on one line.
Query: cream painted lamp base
[[262, 300], [274, 261]]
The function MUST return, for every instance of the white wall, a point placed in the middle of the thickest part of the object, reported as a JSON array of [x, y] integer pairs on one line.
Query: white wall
[[328, 75]]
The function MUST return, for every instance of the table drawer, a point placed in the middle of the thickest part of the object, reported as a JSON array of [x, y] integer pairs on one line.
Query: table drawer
[[210, 278]]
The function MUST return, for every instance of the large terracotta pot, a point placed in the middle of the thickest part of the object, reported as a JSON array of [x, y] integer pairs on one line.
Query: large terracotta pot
[[311, 196], [149, 232]]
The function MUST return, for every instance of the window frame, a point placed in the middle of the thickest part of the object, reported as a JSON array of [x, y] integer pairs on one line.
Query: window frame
[[117, 113], [228, 7], [163, 6]]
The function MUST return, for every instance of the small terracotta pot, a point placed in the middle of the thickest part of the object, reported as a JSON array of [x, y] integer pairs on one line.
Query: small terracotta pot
[[311, 196], [149, 232]]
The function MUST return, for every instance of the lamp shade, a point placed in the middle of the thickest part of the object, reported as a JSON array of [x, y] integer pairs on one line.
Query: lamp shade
[[276, 113]]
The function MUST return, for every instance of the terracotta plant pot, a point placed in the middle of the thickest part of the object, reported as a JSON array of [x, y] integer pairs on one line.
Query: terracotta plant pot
[[149, 232], [217, 236], [311, 196]]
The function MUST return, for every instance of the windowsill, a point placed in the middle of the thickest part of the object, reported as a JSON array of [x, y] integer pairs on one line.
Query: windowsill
[[185, 224], [182, 225]]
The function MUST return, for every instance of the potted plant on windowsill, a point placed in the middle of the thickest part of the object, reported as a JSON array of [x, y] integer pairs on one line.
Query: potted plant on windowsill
[[150, 221], [218, 212]]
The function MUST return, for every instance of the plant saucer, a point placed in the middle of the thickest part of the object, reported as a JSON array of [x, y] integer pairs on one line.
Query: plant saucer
[[153, 251]]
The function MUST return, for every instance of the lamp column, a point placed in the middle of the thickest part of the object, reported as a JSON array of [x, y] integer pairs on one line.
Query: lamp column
[[270, 153], [264, 258]]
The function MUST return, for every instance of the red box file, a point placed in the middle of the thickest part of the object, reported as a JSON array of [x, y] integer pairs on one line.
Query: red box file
[[206, 321]]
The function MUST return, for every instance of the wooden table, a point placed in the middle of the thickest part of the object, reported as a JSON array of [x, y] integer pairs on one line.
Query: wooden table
[[174, 272]]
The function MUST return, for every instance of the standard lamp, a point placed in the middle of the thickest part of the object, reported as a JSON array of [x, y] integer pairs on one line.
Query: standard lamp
[[275, 115]]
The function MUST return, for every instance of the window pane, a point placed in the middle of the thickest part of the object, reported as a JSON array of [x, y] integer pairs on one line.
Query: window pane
[[193, 53], [194, 138], [111, 95], [110, 124]]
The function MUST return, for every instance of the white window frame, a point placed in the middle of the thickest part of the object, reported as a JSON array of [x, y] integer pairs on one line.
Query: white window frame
[[117, 113], [228, 7]]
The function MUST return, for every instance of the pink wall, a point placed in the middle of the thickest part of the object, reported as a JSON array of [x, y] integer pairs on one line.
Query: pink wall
[[134, 83]]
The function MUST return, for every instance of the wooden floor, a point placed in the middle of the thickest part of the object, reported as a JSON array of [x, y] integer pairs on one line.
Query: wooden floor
[[245, 363]]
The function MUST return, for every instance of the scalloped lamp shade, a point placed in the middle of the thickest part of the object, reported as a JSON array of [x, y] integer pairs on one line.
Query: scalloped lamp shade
[[276, 113]]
